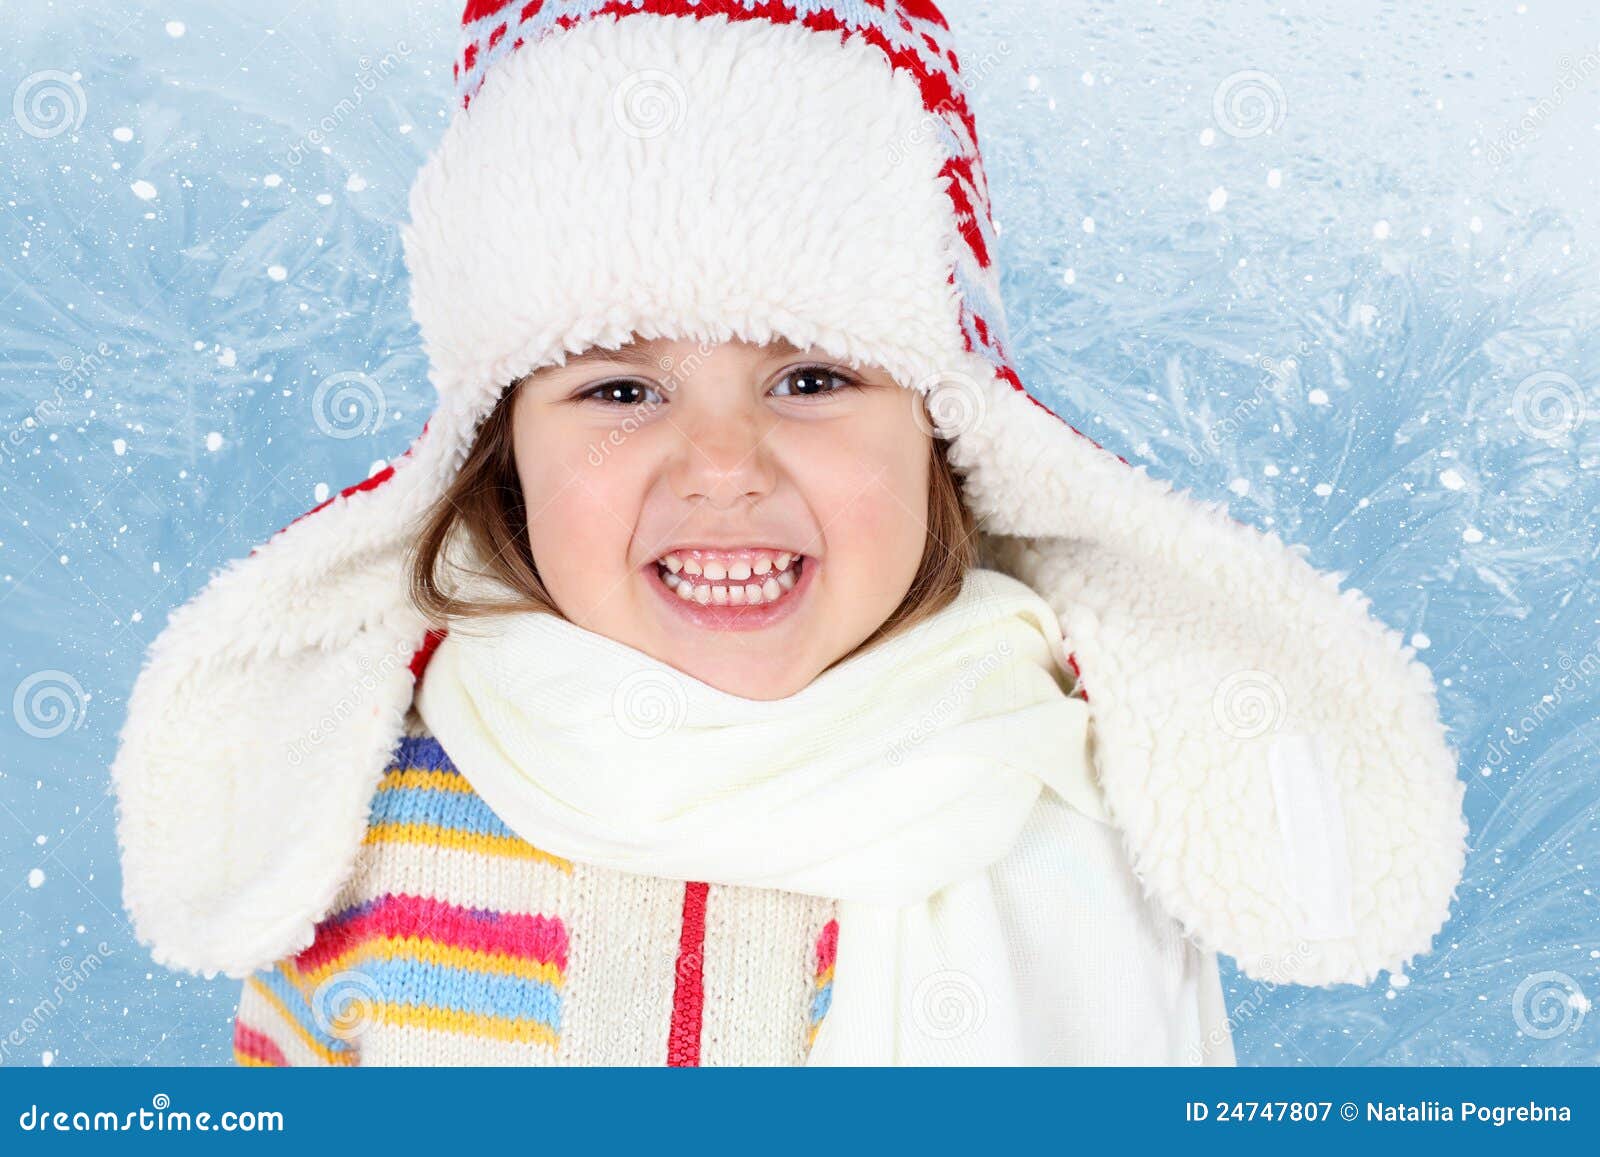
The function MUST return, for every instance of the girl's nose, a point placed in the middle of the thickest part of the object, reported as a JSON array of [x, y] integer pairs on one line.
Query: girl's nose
[[724, 457]]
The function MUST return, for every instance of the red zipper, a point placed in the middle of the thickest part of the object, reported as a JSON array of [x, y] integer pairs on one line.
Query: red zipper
[[689, 994]]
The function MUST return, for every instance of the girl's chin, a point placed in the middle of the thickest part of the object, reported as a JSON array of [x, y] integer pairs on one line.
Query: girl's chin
[[736, 671]]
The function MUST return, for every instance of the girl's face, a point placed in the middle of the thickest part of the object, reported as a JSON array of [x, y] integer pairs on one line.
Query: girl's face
[[669, 484]]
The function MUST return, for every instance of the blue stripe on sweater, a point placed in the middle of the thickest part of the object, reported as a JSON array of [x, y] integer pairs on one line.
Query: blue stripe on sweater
[[462, 811], [421, 752], [821, 1002], [418, 982]]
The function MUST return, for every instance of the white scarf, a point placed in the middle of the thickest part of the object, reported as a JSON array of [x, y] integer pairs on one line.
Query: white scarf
[[889, 783]]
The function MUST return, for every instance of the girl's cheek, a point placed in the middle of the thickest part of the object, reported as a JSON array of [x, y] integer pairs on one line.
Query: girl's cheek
[[874, 512], [568, 500], [874, 457]]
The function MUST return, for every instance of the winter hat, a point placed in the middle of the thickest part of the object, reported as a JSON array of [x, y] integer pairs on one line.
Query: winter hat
[[807, 169]]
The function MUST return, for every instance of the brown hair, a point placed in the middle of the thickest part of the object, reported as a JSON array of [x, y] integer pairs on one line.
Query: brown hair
[[484, 505]]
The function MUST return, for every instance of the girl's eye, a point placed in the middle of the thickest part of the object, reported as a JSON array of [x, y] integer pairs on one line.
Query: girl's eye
[[616, 393], [820, 376], [809, 382]]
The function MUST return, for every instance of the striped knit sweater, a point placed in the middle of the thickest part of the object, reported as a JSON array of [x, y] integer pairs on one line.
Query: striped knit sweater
[[454, 941]]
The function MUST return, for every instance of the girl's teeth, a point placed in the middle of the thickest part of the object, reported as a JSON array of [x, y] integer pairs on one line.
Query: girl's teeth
[[739, 570], [737, 594]]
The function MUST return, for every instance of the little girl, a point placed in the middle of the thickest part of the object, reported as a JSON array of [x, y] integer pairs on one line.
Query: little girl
[[743, 666]]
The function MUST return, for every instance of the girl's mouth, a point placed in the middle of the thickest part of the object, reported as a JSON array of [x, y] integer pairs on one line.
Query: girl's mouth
[[732, 597]]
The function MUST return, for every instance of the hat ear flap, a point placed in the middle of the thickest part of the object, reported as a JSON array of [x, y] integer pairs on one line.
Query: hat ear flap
[[259, 726], [1272, 752]]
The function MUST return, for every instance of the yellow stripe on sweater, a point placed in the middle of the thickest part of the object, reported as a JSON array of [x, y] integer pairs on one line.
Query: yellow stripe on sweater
[[426, 951], [520, 1030], [432, 835], [423, 779]]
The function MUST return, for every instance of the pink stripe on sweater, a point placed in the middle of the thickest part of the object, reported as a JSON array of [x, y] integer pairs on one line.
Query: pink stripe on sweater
[[256, 1045], [827, 945], [529, 937]]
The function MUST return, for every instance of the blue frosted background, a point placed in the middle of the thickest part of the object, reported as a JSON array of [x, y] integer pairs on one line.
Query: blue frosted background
[[1371, 328]]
